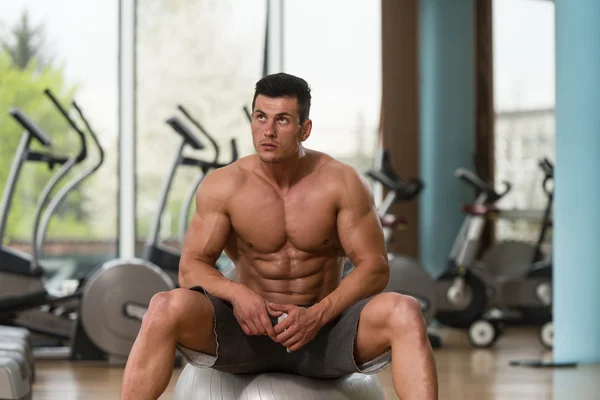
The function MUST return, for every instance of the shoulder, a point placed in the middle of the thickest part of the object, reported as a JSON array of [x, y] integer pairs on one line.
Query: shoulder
[[347, 182], [223, 182]]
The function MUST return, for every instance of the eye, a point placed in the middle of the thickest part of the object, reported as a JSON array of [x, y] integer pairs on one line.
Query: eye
[[260, 117], [283, 120]]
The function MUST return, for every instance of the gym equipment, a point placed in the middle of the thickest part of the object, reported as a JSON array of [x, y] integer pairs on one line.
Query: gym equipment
[[11, 332], [518, 293], [15, 351], [18, 346], [111, 302], [14, 384], [20, 339], [511, 257], [156, 252], [205, 168], [404, 270], [400, 191], [458, 296], [208, 384], [22, 278], [247, 113]]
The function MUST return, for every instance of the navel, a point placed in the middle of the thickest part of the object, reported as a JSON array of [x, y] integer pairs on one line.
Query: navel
[[326, 241], [250, 245]]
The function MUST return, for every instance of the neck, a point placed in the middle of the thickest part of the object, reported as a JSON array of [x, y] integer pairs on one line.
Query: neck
[[285, 172]]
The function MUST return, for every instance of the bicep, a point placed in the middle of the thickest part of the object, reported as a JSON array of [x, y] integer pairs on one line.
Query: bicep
[[359, 227], [208, 231]]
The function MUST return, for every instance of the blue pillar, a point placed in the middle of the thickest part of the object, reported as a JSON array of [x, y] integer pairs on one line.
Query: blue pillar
[[576, 294], [447, 95]]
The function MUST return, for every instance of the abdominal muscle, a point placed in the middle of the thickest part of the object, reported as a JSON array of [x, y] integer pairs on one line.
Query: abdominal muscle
[[298, 279]]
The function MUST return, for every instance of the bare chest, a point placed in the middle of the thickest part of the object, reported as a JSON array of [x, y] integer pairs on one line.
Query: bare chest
[[303, 219]]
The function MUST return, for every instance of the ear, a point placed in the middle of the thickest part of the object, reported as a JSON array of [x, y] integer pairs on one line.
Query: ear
[[305, 130]]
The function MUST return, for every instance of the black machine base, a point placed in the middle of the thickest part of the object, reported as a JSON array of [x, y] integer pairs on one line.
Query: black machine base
[[435, 340], [82, 347]]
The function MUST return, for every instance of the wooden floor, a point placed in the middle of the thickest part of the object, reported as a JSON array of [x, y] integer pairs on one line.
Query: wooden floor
[[464, 374]]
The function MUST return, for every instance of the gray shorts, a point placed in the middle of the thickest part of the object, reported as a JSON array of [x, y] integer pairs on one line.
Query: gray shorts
[[329, 355]]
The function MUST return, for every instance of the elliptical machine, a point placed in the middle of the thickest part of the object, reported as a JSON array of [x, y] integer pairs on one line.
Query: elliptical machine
[[112, 301], [205, 168], [156, 252]]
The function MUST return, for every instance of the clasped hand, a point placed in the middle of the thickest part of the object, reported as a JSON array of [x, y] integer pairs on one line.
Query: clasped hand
[[298, 328]]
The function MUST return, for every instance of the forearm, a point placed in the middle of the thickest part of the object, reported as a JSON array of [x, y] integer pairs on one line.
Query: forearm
[[367, 279], [198, 273]]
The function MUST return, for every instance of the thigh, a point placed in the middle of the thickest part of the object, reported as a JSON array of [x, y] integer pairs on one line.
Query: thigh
[[195, 320], [331, 353], [357, 341], [371, 336]]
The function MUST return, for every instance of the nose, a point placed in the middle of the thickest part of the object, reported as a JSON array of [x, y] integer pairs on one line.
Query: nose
[[270, 131]]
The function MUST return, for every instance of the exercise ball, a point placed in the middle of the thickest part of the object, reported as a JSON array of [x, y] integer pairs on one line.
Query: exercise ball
[[209, 384]]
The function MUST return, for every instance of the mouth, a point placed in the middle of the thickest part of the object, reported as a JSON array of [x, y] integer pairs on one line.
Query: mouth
[[268, 146]]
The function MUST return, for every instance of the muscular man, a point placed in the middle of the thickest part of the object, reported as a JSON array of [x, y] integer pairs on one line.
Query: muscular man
[[287, 216]]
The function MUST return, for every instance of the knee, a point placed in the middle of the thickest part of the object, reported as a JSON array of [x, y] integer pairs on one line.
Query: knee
[[404, 316], [165, 308]]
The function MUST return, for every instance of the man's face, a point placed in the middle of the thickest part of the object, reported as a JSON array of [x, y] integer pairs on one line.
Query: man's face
[[276, 129]]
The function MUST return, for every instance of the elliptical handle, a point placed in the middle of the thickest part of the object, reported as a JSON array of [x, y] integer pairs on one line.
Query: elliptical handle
[[91, 131], [248, 113], [185, 133], [198, 125], [234, 150], [83, 151]]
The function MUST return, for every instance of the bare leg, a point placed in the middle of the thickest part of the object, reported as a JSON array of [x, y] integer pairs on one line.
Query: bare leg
[[391, 320], [179, 316]]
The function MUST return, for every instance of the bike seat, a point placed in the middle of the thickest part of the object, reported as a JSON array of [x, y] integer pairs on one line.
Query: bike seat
[[392, 181], [16, 262]]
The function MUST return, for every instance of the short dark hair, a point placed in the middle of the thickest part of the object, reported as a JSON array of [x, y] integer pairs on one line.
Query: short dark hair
[[285, 85]]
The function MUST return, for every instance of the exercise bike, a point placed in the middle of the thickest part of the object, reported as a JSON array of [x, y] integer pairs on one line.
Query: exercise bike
[[518, 294], [458, 296], [156, 252], [111, 302], [400, 265], [398, 192]]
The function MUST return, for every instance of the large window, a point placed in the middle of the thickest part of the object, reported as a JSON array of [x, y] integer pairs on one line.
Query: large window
[[52, 45], [336, 47], [524, 99], [207, 56]]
